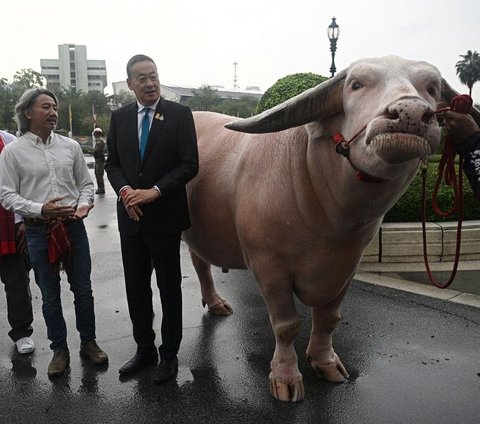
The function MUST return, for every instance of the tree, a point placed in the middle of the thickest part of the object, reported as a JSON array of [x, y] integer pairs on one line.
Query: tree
[[10, 94], [468, 69], [121, 99], [243, 107], [68, 99], [288, 87], [204, 98], [93, 101], [6, 106], [81, 104], [23, 80]]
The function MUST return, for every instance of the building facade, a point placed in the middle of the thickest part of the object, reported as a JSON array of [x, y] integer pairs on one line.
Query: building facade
[[73, 70], [184, 94]]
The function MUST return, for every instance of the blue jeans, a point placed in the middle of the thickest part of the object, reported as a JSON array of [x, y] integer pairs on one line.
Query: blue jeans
[[48, 280]]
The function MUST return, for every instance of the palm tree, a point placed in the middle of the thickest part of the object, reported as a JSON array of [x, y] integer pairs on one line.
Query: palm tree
[[468, 69]]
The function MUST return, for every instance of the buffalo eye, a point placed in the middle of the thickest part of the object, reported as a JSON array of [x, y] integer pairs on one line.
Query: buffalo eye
[[432, 90], [357, 85]]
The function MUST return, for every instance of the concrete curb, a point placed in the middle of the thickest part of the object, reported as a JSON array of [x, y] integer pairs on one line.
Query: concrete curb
[[455, 296], [403, 243]]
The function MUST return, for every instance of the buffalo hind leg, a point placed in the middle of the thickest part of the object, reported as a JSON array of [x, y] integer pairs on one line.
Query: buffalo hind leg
[[320, 353], [210, 297]]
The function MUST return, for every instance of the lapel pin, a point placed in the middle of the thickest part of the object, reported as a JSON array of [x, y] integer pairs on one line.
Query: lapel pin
[[158, 116]]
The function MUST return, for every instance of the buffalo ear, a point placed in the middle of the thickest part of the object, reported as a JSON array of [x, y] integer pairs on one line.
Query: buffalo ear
[[448, 93], [317, 103]]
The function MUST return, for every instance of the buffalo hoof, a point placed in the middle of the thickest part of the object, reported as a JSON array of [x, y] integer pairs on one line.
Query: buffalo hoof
[[332, 370], [218, 307], [287, 391]]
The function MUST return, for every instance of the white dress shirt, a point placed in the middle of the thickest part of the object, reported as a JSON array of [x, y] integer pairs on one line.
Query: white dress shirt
[[31, 173], [141, 112]]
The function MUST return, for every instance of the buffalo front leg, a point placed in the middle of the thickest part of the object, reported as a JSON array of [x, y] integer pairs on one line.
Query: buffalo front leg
[[320, 353], [286, 381], [210, 297]]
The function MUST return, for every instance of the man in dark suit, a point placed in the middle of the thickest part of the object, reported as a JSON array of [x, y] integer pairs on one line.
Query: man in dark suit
[[152, 154]]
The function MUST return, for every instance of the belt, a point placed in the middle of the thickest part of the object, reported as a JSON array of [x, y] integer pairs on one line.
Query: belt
[[40, 222]]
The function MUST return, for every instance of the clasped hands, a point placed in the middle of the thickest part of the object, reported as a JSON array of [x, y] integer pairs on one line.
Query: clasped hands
[[133, 199], [52, 209]]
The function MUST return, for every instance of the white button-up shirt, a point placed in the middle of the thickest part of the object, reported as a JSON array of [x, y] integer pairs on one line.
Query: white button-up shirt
[[31, 173]]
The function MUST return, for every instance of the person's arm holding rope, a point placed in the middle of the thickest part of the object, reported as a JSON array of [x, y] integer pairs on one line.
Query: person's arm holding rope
[[465, 132]]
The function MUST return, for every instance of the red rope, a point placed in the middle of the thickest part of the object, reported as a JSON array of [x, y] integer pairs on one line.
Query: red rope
[[343, 148], [456, 207], [446, 172]]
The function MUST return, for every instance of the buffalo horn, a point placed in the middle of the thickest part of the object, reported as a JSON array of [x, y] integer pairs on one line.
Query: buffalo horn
[[317, 103]]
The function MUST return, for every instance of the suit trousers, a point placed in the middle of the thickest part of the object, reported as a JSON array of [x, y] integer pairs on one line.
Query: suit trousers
[[139, 253], [14, 273]]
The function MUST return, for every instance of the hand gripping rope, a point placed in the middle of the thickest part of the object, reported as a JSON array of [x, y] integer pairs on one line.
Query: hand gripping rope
[[446, 171]]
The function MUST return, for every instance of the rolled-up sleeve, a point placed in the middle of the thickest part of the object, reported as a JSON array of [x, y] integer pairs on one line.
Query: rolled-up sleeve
[[83, 179]]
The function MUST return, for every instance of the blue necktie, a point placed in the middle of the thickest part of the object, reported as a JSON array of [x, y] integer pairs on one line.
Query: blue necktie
[[145, 131]]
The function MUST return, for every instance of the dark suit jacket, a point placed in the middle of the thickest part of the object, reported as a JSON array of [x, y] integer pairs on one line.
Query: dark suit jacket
[[170, 161]]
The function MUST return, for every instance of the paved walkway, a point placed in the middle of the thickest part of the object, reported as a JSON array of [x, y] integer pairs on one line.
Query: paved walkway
[[412, 358]]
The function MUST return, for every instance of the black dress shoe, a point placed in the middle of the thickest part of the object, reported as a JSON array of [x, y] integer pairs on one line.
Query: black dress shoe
[[166, 370], [138, 362]]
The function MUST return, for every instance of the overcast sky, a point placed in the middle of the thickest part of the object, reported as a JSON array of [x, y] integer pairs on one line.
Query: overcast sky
[[196, 42]]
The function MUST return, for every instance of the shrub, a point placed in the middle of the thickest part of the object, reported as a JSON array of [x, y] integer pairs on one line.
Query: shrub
[[288, 87], [408, 207]]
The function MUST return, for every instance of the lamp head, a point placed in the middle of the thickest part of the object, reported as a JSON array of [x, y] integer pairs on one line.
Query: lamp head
[[333, 30]]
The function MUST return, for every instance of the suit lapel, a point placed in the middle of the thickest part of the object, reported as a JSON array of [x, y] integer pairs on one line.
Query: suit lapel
[[130, 136]]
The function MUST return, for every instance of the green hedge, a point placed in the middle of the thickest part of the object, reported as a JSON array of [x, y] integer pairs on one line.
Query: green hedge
[[288, 87], [408, 207]]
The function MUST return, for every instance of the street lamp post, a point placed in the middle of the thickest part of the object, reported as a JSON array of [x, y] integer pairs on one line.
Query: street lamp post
[[333, 31]]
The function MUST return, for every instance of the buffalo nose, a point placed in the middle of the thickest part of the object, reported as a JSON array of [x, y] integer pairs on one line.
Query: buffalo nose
[[410, 111]]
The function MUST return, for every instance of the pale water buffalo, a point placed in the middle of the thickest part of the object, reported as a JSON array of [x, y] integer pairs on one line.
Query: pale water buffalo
[[296, 213]]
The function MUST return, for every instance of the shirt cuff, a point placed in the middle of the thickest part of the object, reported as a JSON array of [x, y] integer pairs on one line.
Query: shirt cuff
[[121, 191]]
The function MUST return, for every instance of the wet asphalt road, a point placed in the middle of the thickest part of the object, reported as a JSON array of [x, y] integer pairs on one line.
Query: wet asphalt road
[[411, 358]]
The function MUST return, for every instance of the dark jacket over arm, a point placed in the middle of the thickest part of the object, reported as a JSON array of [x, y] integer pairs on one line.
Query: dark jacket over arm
[[470, 151]]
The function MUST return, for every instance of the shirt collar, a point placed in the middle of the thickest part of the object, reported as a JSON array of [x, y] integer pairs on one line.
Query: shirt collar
[[35, 139], [140, 107]]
